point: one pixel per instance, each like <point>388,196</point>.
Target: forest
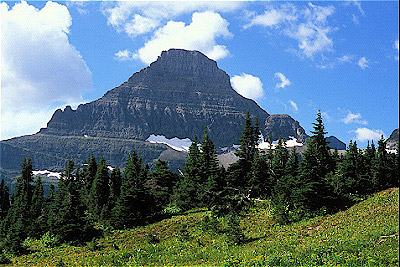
<point>91,199</point>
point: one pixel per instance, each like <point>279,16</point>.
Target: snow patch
<point>47,173</point>
<point>292,142</point>
<point>175,143</point>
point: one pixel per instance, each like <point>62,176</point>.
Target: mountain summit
<point>179,95</point>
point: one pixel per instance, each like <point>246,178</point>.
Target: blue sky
<point>290,57</point>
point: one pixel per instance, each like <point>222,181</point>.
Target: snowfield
<point>47,173</point>
<point>174,143</point>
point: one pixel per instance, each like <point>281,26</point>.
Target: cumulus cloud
<point>284,81</point>
<point>365,134</point>
<point>38,64</point>
<point>354,118</point>
<point>140,17</point>
<point>200,34</point>
<point>248,86</point>
<point>363,63</point>
<point>396,46</point>
<point>123,55</point>
<point>294,105</point>
<point>308,26</point>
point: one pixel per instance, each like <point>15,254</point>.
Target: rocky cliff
<point>393,141</point>
<point>179,95</point>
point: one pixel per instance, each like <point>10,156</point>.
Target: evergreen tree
<point>135,204</point>
<point>239,173</point>
<point>38,224</point>
<point>209,171</point>
<point>14,228</point>
<point>279,160</point>
<point>161,183</point>
<point>115,186</point>
<point>100,191</point>
<point>261,182</point>
<point>314,193</point>
<point>88,173</point>
<point>381,171</point>
<point>187,194</point>
<point>68,220</point>
<point>4,200</point>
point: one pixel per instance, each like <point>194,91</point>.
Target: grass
<point>364,235</point>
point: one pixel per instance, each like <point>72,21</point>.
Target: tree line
<point>91,198</point>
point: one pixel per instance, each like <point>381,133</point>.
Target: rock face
<point>333,143</point>
<point>179,95</point>
<point>393,140</point>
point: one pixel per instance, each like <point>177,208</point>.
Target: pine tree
<point>100,190</point>
<point>88,173</point>
<point>38,224</point>
<point>381,169</point>
<point>279,160</point>
<point>115,186</point>
<point>14,228</point>
<point>209,171</point>
<point>314,193</point>
<point>68,220</point>
<point>135,204</point>
<point>4,200</point>
<point>187,194</point>
<point>239,173</point>
<point>261,182</point>
<point>161,183</point>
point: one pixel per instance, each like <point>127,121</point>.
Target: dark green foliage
<point>188,193</point>
<point>239,173</point>
<point>15,227</point>
<point>261,182</point>
<point>135,203</point>
<point>100,191</point>
<point>4,200</point>
<point>161,182</point>
<point>38,223</point>
<point>68,220</point>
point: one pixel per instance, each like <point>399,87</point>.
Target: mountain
<point>333,143</point>
<point>179,95</point>
<point>393,141</point>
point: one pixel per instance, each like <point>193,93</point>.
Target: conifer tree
<point>187,193</point>
<point>314,191</point>
<point>381,169</point>
<point>261,182</point>
<point>209,171</point>
<point>279,160</point>
<point>135,204</point>
<point>4,200</point>
<point>67,220</point>
<point>161,183</point>
<point>14,228</point>
<point>115,186</point>
<point>38,224</point>
<point>88,173</point>
<point>100,190</point>
<point>239,173</point>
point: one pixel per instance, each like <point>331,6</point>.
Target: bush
<point>4,259</point>
<point>152,238</point>
<point>50,240</point>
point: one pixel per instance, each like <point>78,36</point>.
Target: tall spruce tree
<point>68,220</point>
<point>4,200</point>
<point>14,228</point>
<point>100,191</point>
<point>315,194</point>
<point>38,224</point>
<point>134,204</point>
<point>239,173</point>
<point>161,183</point>
<point>187,193</point>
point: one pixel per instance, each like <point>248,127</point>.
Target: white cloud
<point>123,55</point>
<point>273,17</point>
<point>346,58</point>
<point>200,34</point>
<point>294,105</point>
<point>363,63</point>
<point>396,46</point>
<point>353,118</point>
<point>140,25</point>
<point>284,81</point>
<point>38,64</point>
<point>309,26</point>
<point>140,17</point>
<point>248,86</point>
<point>365,134</point>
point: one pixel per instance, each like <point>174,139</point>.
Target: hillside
<point>364,235</point>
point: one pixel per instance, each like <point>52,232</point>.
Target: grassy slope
<point>364,235</point>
